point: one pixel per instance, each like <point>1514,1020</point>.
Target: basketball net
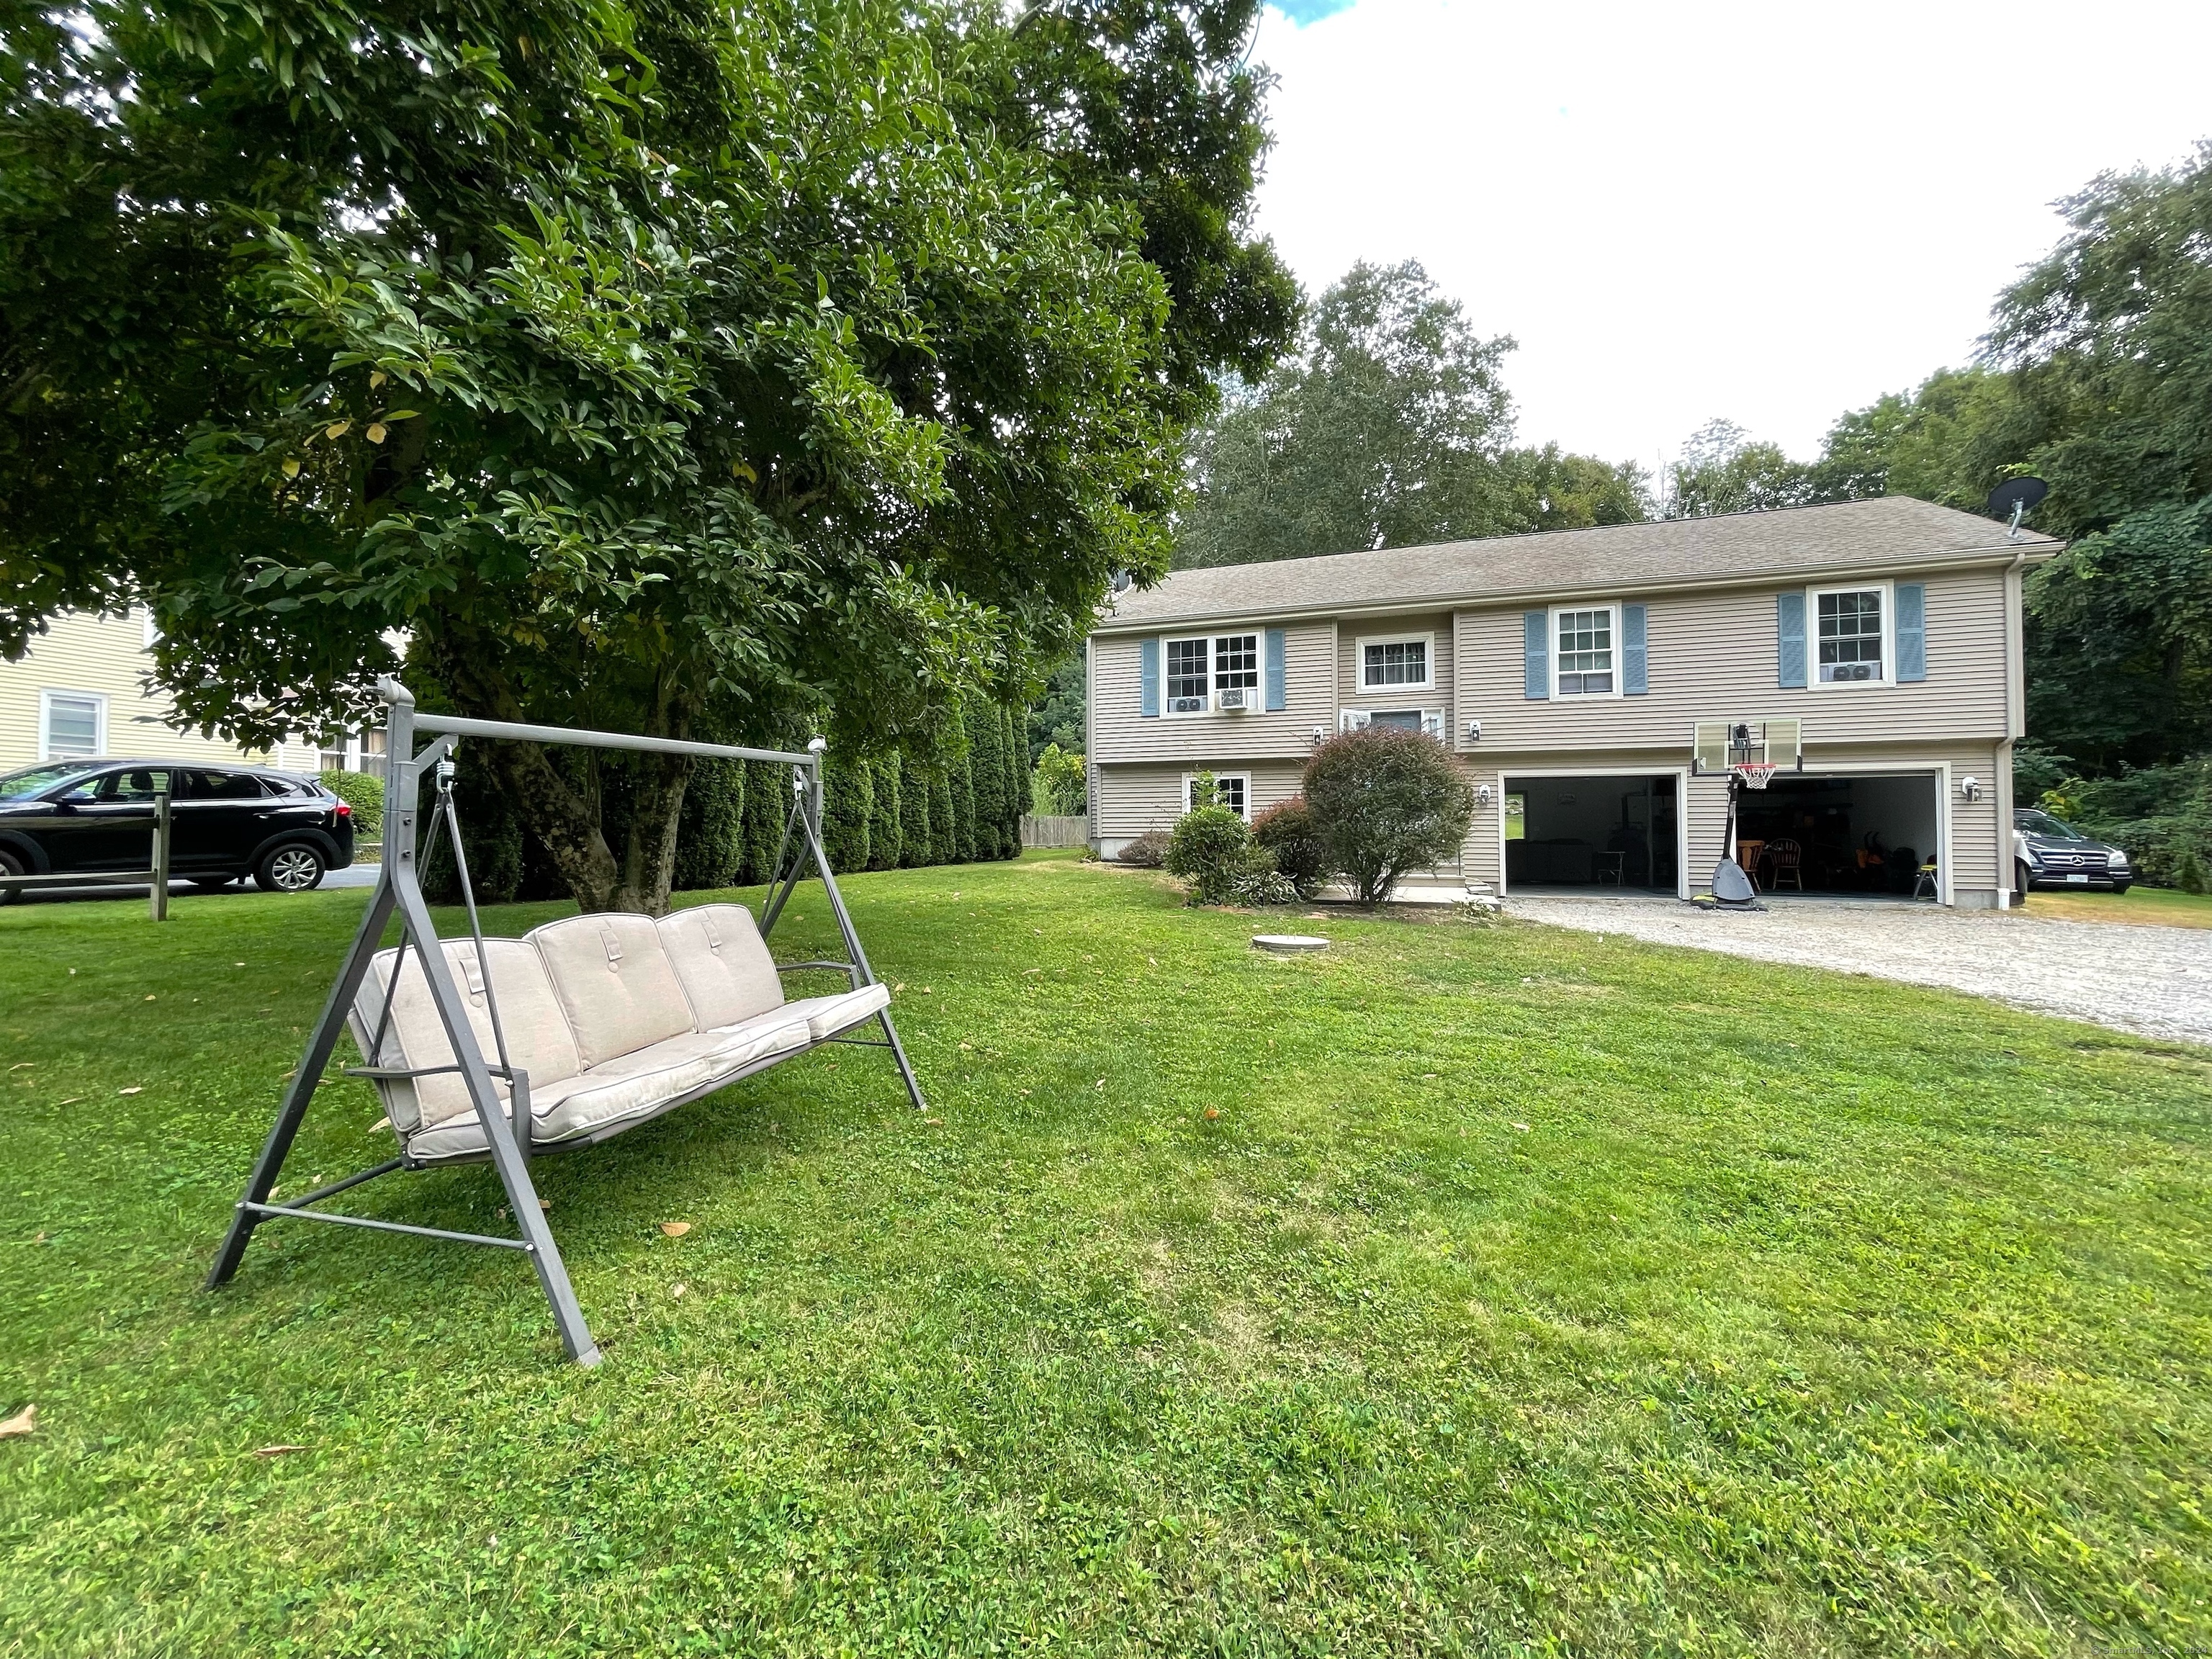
<point>1755,774</point>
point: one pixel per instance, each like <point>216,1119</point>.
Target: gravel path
<point>2155,982</point>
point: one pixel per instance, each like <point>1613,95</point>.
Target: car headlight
<point>2118,860</point>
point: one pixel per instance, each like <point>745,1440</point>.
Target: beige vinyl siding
<point>1128,800</point>
<point>1350,630</point>
<point>107,657</point>
<point>1712,656</point>
<point>1119,734</point>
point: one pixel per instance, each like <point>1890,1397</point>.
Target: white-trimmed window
<point>1402,662</point>
<point>72,724</point>
<point>1231,789</point>
<point>353,751</point>
<point>1198,670</point>
<point>1586,651</point>
<point>1850,631</point>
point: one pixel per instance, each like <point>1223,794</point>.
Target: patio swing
<point>596,1023</point>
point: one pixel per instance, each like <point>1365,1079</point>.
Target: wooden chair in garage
<point>1787,858</point>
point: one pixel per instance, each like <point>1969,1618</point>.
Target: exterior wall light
<point>1474,731</point>
<point>1971,788</point>
<point>1482,794</point>
<point>1319,736</point>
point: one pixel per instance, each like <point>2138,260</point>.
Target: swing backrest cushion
<point>723,963</point>
<point>615,983</point>
<point>538,1041</point>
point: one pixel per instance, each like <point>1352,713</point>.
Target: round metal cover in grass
<point>1286,944</point>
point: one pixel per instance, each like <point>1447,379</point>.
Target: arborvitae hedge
<point>848,797</point>
<point>987,767</point>
<point>710,838</point>
<point>768,798</point>
<point>885,827</point>
<point>916,842</point>
<point>1017,753</point>
<point>943,820</point>
<point>963,790</point>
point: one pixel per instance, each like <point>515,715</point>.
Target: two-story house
<point>1586,679</point>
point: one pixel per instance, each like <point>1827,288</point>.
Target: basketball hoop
<point>1754,775</point>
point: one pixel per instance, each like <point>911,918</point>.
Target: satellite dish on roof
<point>1120,582</point>
<point>2015,497</point>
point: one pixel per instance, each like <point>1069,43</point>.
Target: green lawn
<point>2156,907</point>
<point>1529,1293</point>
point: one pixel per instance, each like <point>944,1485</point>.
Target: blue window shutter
<point>1272,672</point>
<point>1536,653</point>
<point>1790,638</point>
<point>1911,631</point>
<point>1635,660</point>
<point>1148,678</point>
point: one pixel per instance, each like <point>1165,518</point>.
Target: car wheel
<point>2021,881</point>
<point>10,865</point>
<point>293,868</point>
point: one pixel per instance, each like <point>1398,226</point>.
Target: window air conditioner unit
<point>1352,720</point>
<point>1236,697</point>
<point>1186,705</point>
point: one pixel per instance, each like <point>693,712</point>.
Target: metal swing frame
<point>399,891</point>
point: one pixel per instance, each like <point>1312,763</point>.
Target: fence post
<point>159,900</point>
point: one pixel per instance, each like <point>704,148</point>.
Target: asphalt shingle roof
<point>1887,530</point>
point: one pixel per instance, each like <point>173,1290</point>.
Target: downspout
<point>2001,785</point>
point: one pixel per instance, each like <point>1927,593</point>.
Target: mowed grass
<point>2152,907</point>
<point>1466,1289</point>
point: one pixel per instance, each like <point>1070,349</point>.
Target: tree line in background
<point>1388,426</point>
<point>888,810</point>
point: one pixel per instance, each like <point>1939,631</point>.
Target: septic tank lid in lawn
<point>1284,943</point>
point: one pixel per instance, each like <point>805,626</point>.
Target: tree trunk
<point>649,858</point>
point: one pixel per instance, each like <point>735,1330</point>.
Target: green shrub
<point>1286,829</point>
<point>1059,786</point>
<point>943,826</point>
<point>1387,801</point>
<point>710,837</point>
<point>848,797</point>
<point>364,794</point>
<point>1147,852</point>
<point>917,830</point>
<point>1211,850</point>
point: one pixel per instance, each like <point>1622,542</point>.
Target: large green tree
<point>655,365</point>
<point>1390,428</point>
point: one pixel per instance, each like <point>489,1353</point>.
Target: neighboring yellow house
<point>82,692</point>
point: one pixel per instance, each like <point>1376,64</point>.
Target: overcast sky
<point>1771,212</point>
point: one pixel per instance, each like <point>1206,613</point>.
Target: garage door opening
<point>1584,832</point>
<point>1869,834</point>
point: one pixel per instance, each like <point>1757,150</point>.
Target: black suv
<point>226,822</point>
<point>2048,852</point>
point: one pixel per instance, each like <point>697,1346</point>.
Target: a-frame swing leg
<point>322,1042</point>
<point>808,844</point>
<point>499,1129</point>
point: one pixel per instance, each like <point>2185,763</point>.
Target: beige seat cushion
<point>723,963</point>
<point>615,983</point>
<point>827,1016</point>
<point>537,1035</point>
<point>629,1090</point>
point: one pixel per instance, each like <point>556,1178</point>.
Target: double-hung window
<point>1585,651</point>
<point>72,724</point>
<point>1199,670</point>
<point>1400,662</point>
<point>1852,630</point>
<point>1231,789</point>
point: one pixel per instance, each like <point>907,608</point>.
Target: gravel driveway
<point>2155,982</point>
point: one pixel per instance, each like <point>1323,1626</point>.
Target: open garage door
<point>1840,833</point>
<point>1618,831</point>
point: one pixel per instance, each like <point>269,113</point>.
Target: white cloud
<point>1773,213</point>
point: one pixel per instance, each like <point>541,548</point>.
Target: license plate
<point>2084,880</point>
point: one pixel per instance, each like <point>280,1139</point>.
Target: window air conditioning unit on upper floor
<point>1186,705</point>
<point>1236,697</point>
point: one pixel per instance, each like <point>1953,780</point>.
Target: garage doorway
<point>1604,831</point>
<point>1859,832</point>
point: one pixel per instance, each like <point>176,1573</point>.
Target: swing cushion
<point>538,1041</point>
<point>722,963</point>
<point>614,1018</point>
<point>615,982</point>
